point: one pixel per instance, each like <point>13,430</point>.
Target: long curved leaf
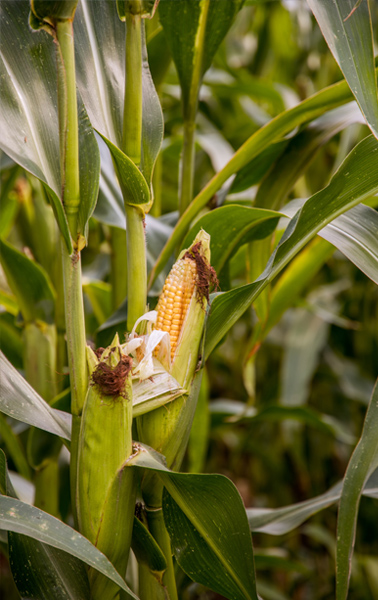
<point>20,401</point>
<point>38,568</point>
<point>278,521</point>
<point>29,282</point>
<point>216,552</point>
<point>355,234</point>
<point>347,29</point>
<point>230,227</point>
<point>275,130</point>
<point>29,115</point>
<point>193,31</point>
<point>362,463</point>
<point>356,179</point>
<point>28,520</point>
<point>100,62</point>
<point>110,210</point>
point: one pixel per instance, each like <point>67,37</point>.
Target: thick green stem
<point>69,135</point>
<point>76,350</point>
<point>119,265</point>
<point>187,165</point>
<point>157,528</point>
<point>73,296</point>
<point>75,329</point>
<point>132,113</point>
<point>131,145</point>
<point>136,263</point>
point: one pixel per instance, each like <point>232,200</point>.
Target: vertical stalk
<point>69,135</point>
<point>131,145</point>
<point>157,527</point>
<point>75,328</point>
<point>137,266</point>
<point>73,296</point>
<point>76,344</point>
<point>190,112</point>
<point>132,110</point>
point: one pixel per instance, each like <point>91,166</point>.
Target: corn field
<point>188,300</point>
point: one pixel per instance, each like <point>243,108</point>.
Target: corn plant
<point>107,373</point>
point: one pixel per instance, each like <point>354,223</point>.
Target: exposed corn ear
<point>175,299</point>
<point>167,429</point>
<point>105,489</point>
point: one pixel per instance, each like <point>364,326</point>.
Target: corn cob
<point>175,299</point>
<point>181,311</point>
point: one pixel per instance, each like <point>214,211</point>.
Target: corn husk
<point>105,489</point>
<point>167,429</point>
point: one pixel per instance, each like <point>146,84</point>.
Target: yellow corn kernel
<point>175,299</point>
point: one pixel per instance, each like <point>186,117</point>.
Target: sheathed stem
<point>75,328</point>
<point>132,112</point>
<point>73,296</point>
<point>136,265</point>
<point>132,139</point>
<point>157,527</point>
<point>69,136</point>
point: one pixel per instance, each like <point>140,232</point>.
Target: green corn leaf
<point>146,549</point>
<point>299,273</point>
<point>19,401</point>
<point>354,233</point>
<point>302,414</point>
<point>272,132</point>
<point>99,38</point>
<point>38,568</point>
<point>14,447</point>
<point>99,294</point>
<point>132,180</point>
<point>110,210</point>
<point>217,553</point>
<point>363,462</point>
<point>11,339</point>
<point>193,31</point>
<point>27,520</point>
<point>29,282</point>
<point>356,179</point>
<point>252,173</point>
<point>279,521</point>
<point>301,151</point>
<point>29,117</point>
<point>230,227</point>
<point>347,29</point>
